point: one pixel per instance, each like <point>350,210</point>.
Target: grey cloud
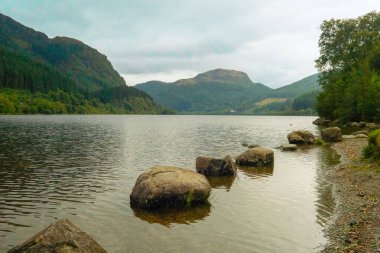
<point>274,41</point>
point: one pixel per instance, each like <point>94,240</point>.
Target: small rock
<point>353,124</point>
<point>215,167</point>
<point>331,134</point>
<point>361,136</point>
<point>244,144</point>
<point>362,124</point>
<point>321,121</point>
<point>166,186</point>
<point>360,132</point>
<point>348,137</point>
<point>256,157</point>
<point>253,146</point>
<point>289,147</point>
<point>373,126</point>
<point>61,236</point>
<point>301,137</point>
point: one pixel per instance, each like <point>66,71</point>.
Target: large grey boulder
<point>321,121</point>
<point>60,237</point>
<point>256,157</point>
<point>209,166</point>
<point>301,137</point>
<point>331,134</point>
<point>166,186</point>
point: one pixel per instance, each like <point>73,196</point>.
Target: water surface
<point>84,167</point>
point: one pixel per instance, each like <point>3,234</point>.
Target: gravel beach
<point>356,183</point>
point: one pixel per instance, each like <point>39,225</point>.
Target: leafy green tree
<point>349,63</point>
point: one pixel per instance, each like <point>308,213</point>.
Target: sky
<point>274,41</point>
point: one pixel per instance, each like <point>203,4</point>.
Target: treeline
<point>21,72</point>
<point>349,63</point>
<point>302,105</point>
<point>14,101</point>
<point>28,86</point>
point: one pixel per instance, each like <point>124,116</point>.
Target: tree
<point>349,63</point>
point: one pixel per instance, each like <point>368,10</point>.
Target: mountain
<point>85,65</point>
<point>306,85</point>
<point>216,91</point>
<point>222,91</point>
<point>60,75</point>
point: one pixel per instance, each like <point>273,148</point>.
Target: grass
<point>189,198</point>
<point>320,142</point>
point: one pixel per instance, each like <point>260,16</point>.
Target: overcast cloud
<point>274,41</point>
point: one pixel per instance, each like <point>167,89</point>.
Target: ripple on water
<point>84,167</point>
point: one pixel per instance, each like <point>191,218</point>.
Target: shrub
<point>372,150</point>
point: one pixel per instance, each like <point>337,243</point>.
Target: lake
<point>84,167</point>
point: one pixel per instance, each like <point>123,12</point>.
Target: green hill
<point>85,65</point>
<point>223,91</point>
<point>216,91</point>
<point>60,75</point>
<point>301,87</point>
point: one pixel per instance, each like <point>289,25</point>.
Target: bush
<point>372,150</point>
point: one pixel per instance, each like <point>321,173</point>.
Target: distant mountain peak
<point>224,75</point>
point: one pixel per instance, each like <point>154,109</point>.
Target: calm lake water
<point>84,168</point>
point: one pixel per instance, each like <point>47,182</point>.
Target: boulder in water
<point>321,121</point>
<point>289,147</point>
<point>301,137</point>
<point>166,186</point>
<point>256,157</point>
<point>61,237</point>
<point>331,134</point>
<point>209,166</point>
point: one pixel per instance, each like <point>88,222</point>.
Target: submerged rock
<point>331,134</point>
<point>166,186</point>
<point>301,137</point>
<point>257,157</point>
<point>289,147</point>
<point>60,237</point>
<point>321,121</point>
<point>209,166</point>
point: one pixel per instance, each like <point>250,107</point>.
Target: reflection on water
<point>221,182</point>
<point>255,172</point>
<point>325,203</point>
<point>166,217</point>
<point>84,168</point>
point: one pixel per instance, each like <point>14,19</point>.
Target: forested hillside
<point>60,75</point>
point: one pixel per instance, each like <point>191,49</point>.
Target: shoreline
<point>355,224</point>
